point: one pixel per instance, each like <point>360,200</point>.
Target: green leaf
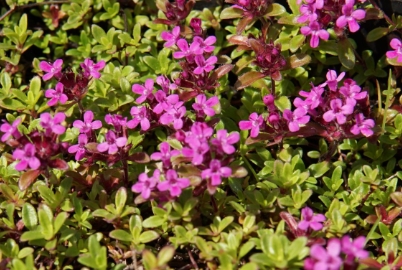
<point>29,216</point>
<point>46,221</point>
<point>148,236</point>
<point>231,13</point>
<point>225,222</point>
<point>27,178</point>
<point>297,60</point>
<point>165,255</point>
<point>98,33</point>
<point>149,260</point>
<point>346,54</point>
<point>275,10</point>
<point>152,222</point>
<point>296,42</point>
<point>377,33</point>
<point>25,252</point>
<point>120,200</point>
<point>59,221</point>
<point>121,235</point>
<point>31,235</point>
<point>5,81</point>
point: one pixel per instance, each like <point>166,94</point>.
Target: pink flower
<point>140,116</point>
<point>79,148</point>
<point>324,259</point>
<point>309,220</point>
<point>165,84</point>
<point>165,154</point>
<point>53,70</point>
<point>204,65</point>
<point>199,131</point>
<point>196,151</point>
<point>204,106</point>
<point>10,130</point>
<point>174,115</point>
<point>88,125</point>
<point>354,248</point>
<point>315,30</point>
<point>255,123</point>
<point>224,142</point>
<point>308,14</point>
<point>363,126</point>
<point>185,50</point>
<point>215,172</point>
<point>314,97</point>
<point>333,79</point>
<point>173,184</point>
<point>116,120</point>
<point>53,124</point>
<point>296,119</point>
<point>144,92</point>
<point>395,44</point>
<point>350,17</point>
<point>27,158</point>
<point>164,102</point>
<point>56,95</point>
<point>145,184</point>
<point>171,38</point>
<point>351,91</point>
<point>91,69</point>
<point>206,45</point>
<point>269,101</point>
<point>338,111</point>
<point>112,143</point>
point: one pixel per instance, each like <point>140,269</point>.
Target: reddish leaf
<point>397,198</point>
<point>27,179</point>
<point>248,78</point>
<point>187,95</point>
<point>162,21</point>
<point>231,13</point>
<point>243,24</point>
<point>221,71</point>
<point>58,164</point>
<point>371,262</point>
<point>239,40</point>
<point>256,45</point>
<point>139,157</point>
<point>297,60</point>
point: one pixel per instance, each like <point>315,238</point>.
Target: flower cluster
<point>322,14</point>
<point>339,110</point>
<point>338,253</point>
<point>395,44</point>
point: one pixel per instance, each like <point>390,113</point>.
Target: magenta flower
<point>88,125</point>
<point>354,249</point>
<point>10,130</point>
<point>53,124</point>
<point>185,50</point>
<point>174,115</point>
<point>27,158</point>
<point>307,14</point>
<point>350,17</point>
<point>351,91</point>
<point>315,30</point>
<point>204,106</point>
<point>79,149</point>
<point>144,92</point>
<point>204,65</point>
<point>206,45</point>
<point>91,69</point>
<point>199,131</point>
<point>255,123</point>
<point>165,154</point>
<point>338,111</point>
<point>324,259</point>
<point>53,70</point>
<point>116,120</point>
<point>215,172</point>
<point>164,102</point>
<point>314,97</point>
<point>165,84</point>
<point>173,184</point>
<point>112,143</point>
<point>333,79</point>
<point>310,220</point>
<point>146,184</point>
<point>224,141</point>
<point>195,23</point>
<point>296,119</point>
<point>196,151</point>
<point>171,38</point>
<point>395,44</point>
<point>56,95</point>
<point>140,116</point>
<point>363,126</point>
<point>269,101</point>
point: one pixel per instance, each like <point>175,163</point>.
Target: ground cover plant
<point>237,134</point>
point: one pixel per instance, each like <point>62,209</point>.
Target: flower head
<point>363,126</point>
<point>338,111</point>
<point>354,248</point>
<point>79,149</point>
<point>325,259</point>
<point>140,116</point>
<point>145,91</point>
<point>173,184</point>
<point>350,16</point>
<point>172,37</point>
<point>224,141</point>
<point>165,154</point>
<point>310,220</point>
<point>204,66</point>
<point>91,69</point>
<point>296,119</point>
<point>316,31</point>
<point>56,95</point>
<point>53,70</point>
<point>88,124</point>
<point>204,106</point>
<point>27,158</point>
<point>112,143</point>
<point>395,44</point>
<point>254,124</point>
<point>10,130</point>
<point>146,184</point>
<point>214,173</point>
<point>52,124</point>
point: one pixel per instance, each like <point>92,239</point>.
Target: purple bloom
<point>199,131</point>
<point>174,115</point>
<point>88,125</point>
<point>354,248</point>
<point>56,95</point>
<point>204,65</point>
<point>350,17</point>
<point>269,101</point>
<point>112,143</point>
<point>325,259</point>
<point>395,44</point>
<point>215,172</point>
<point>314,97</point>
<point>53,124</point>
<point>351,91</point>
<point>173,184</point>
<point>144,92</point>
<point>185,50</point>
<point>309,220</point>
<point>255,123</point>
<point>315,30</point>
<point>224,142</point>
<point>171,38</point>
<point>338,111</point>
<point>204,106</point>
<point>116,120</point>
<point>51,69</point>
<point>10,130</point>
<point>363,126</point>
<point>79,148</point>
<point>195,23</point>
<point>140,116</point>
<point>333,79</point>
<point>145,184</point>
<point>206,45</point>
<point>164,102</point>
<point>165,154</point>
<point>165,84</point>
<point>296,119</point>
<point>27,158</point>
<point>308,14</point>
<point>196,151</point>
<point>91,69</point>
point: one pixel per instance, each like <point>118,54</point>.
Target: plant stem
<point>249,167</point>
